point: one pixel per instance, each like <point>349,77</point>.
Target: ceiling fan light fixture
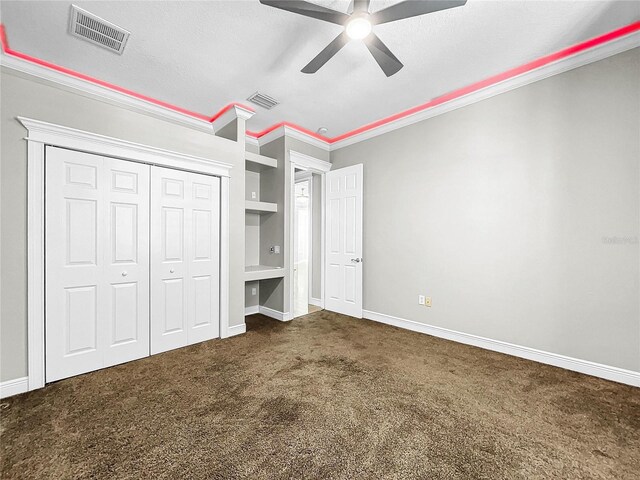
<point>358,28</point>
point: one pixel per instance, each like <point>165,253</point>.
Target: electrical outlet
<point>253,195</point>
<point>277,249</point>
<point>421,299</point>
<point>254,291</point>
<point>427,301</point>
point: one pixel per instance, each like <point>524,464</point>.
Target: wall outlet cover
<point>421,299</point>
<point>253,195</point>
<point>427,301</point>
<point>254,291</point>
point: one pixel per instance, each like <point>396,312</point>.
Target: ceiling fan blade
<point>309,10</point>
<point>325,55</point>
<point>412,8</point>
<point>387,60</point>
<point>361,5</point>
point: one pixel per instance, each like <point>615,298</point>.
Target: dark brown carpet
<point>325,396</point>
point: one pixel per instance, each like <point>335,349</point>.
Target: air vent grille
<point>96,30</point>
<point>264,101</point>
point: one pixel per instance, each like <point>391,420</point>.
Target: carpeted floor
<point>324,396</point>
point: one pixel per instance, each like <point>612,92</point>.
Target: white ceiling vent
<point>94,29</point>
<point>264,101</point>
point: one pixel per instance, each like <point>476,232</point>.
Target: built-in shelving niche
<point>260,203</point>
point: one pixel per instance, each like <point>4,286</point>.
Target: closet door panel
<point>204,259</point>
<point>170,219</point>
<point>126,332</point>
<point>74,247</point>
<point>185,258</point>
<point>97,262</point>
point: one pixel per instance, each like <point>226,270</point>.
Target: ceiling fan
<point>358,26</point>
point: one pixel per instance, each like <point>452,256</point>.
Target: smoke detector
<point>96,30</point>
<point>262,100</point>
<point>322,131</point>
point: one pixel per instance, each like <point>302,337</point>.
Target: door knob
<point>171,270</point>
<point>356,260</point>
<point>124,274</point>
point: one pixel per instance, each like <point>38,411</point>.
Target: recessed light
<point>322,131</point>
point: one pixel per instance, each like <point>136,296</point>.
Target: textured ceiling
<point>203,55</point>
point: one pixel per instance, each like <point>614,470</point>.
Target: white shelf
<point>260,207</point>
<point>262,272</point>
<point>257,163</point>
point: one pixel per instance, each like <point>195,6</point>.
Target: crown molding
<point>105,94</point>
<point>305,137</point>
<point>291,132</point>
<point>249,140</point>
<point>585,57</point>
<point>590,51</point>
<point>229,114</point>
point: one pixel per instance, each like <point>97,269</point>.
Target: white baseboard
<point>14,387</point>
<point>237,330</point>
<point>316,302</point>
<point>615,374</point>
<point>251,310</point>
<point>275,314</point>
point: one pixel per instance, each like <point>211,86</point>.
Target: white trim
<point>224,258</point>
<point>319,167</point>
<point>232,114</point>
<point>275,314</point>
<point>316,302</point>
<point>35,264</point>
<point>301,177</point>
<point>237,330</point>
<point>252,310</point>
<point>306,138</point>
<point>323,223</point>
<point>108,95</point>
<point>292,133</point>
<point>41,134</point>
<point>243,113</point>
<point>580,59</point>
<point>615,374</point>
<point>66,137</point>
<point>14,387</point>
<point>307,162</point>
<point>252,141</point>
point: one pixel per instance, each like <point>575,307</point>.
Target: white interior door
<point>185,272</point>
<point>97,262</point>
<point>343,241</point>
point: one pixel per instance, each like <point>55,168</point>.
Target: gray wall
<point>25,97</point>
<point>519,215</point>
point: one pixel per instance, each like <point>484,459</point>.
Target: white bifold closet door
<point>185,259</point>
<point>97,262</point>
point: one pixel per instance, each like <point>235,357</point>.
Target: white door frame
<point>41,134</point>
<point>319,167</point>
<point>300,177</point>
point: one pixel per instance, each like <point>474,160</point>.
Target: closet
<point>132,260</point>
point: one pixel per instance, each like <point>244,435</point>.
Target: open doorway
<point>305,249</point>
